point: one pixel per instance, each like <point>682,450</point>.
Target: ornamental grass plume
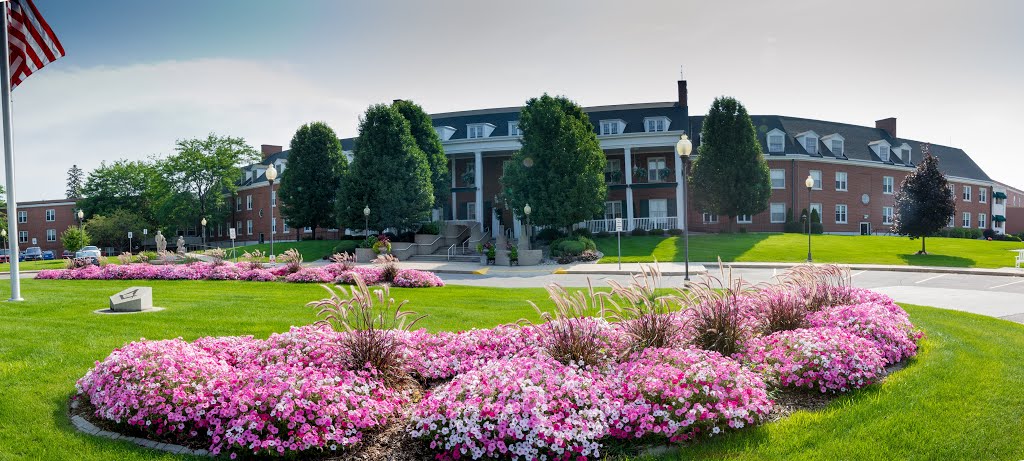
<point>217,254</point>
<point>291,259</point>
<point>125,258</point>
<point>253,259</point>
<point>646,317</point>
<point>822,285</point>
<point>570,335</point>
<point>345,261</point>
<point>389,267</point>
<point>717,312</point>
<point>370,321</point>
<point>782,309</point>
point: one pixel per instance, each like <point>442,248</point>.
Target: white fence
<point>608,225</point>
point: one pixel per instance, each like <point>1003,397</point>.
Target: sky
<point>140,75</point>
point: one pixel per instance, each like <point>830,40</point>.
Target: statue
<point>161,242</point>
<point>181,245</point>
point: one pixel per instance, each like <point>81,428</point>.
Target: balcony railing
<point>608,225</point>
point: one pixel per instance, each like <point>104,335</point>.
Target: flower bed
<point>407,278</point>
<point>509,392</point>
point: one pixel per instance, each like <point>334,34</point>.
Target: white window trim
<point>817,180</point>
<point>513,128</point>
<point>967,194</point>
<point>445,132</point>
<point>982,195</point>
<point>50,232</point>
<point>891,185</point>
<point>656,160</point>
<point>776,133</point>
<point>982,220</point>
<point>248,202</point>
<point>749,219</point>
<point>51,215</point>
<point>614,204</point>
<point>666,122</point>
<point>846,214</point>
<point>966,220</point>
<point>471,211</point>
<point>771,214</point>
<point>22,217</point>
<point>887,218</point>
<point>620,127</point>
<point>704,217</point>
<point>846,181</point>
<point>783,178</point>
<point>248,227</point>
<point>485,130</point>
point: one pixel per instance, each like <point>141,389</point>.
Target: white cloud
<point>86,115</point>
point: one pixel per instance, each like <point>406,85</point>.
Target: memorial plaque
<point>134,299</point>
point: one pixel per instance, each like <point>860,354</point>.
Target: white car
<point>89,252</point>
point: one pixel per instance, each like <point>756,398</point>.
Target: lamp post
<point>81,216</point>
<point>203,222</point>
<point>271,176</point>
<point>683,149</point>
<point>366,219</point>
<point>3,234</point>
<point>526,211</point>
<point>809,182</point>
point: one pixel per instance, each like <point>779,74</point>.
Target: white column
<point>680,219</point>
<point>478,168</point>
<point>455,203</point>
<point>628,173</point>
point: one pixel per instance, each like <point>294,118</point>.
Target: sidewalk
<point>1003,271</point>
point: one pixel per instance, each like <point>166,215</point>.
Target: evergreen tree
<point>389,173</point>
<point>559,170</point>
<point>730,175</point>
<point>75,178</point>
<point>310,185</point>
<point>74,238</point>
<point>422,128</point>
<point>924,203</point>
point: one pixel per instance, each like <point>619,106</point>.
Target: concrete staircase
<point>456,233</point>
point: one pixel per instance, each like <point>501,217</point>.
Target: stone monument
<point>134,299</point>
<point>161,242</point>
<point>181,245</point>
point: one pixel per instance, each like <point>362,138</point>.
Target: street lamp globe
<point>809,182</point>
<point>684,147</point>
<point>80,215</point>
<point>3,233</point>
<point>527,210</point>
<point>366,210</point>
<point>271,173</point>
<point>203,222</point>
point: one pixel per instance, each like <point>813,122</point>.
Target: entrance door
<point>865,228</point>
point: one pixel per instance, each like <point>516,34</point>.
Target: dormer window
<point>656,124</point>
<point>444,132</point>
<point>902,152</point>
<point>612,126</point>
<point>478,130</point>
<point>809,140</point>
<point>835,144</point>
<point>881,149</point>
<point>837,147</point>
<point>776,141</point>
<point>513,129</point>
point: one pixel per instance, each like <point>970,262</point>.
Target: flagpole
<point>5,105</point>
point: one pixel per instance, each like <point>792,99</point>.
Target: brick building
<point>40,223</point>
<point>857,171</point>
<point>1008,208</point>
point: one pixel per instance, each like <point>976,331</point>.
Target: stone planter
<point>365,255</point>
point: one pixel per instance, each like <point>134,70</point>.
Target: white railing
<point>608,225</point>
<point>454,248</point>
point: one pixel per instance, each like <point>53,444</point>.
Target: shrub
<point>657,231</point>
<point>676,232</point>
<point>743,230</point>
<point>988,234</point>
<point>567,247</point>
<point>430,228</point>
<point>604,234</point>
<point>588,255</point>
<point>569,334</point>
<point>382,244</point>
<point>638,232</point>
<point>521,408</point>
<point>217,254</point>
<point>827,359</point>
<point>250,259</point>
<point>549,234</point>
<point>680,394</point>
<point>125,258</point>
<point>369,321</point>
<point>583,232</point>
<point>793,227</point>
<point>1010,238</point>
<point>369,242</point>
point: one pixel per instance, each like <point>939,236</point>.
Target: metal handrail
<point>452,248</point>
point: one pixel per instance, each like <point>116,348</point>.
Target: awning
<point>998,218</point>
<point>999,195</point>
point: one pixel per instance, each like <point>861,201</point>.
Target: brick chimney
<point>887,124</point>
<point>269,149</point>
<point>682,94</point>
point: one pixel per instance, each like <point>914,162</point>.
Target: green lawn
<point>311,249</point>
<point>51,264</point>
<point>961,399</point>
<point>847,249</point>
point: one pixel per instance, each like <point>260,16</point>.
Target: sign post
<point>231,233</point>
<point>129,241</point>
<point>145,232</point>
<point>618,236</point>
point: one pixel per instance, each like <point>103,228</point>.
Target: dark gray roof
<point>347,144</point>
<point>952,161</point>
<point>632,114</point>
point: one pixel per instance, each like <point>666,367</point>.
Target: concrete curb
<point>84,426</point>
<point>34,271</point>
<point>1004,272</point>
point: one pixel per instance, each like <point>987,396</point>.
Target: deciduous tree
<point>389,173</point>
<point>74,238</point>
<point>112,230</point>
<point>924,203</point>
<point>309,187</point>
<point>559,170</point>
<point>123,184</point>
<point>422,129</point>
<point>730,175</point>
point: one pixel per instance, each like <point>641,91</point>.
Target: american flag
<point>33,44</point>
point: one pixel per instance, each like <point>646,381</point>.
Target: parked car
<point>5,256</point>
<point>47,255</point>
<point>33,254</point>
<point>89,252</point>
<point>68,254</point>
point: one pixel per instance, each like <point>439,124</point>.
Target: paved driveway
<point>994,296</point>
